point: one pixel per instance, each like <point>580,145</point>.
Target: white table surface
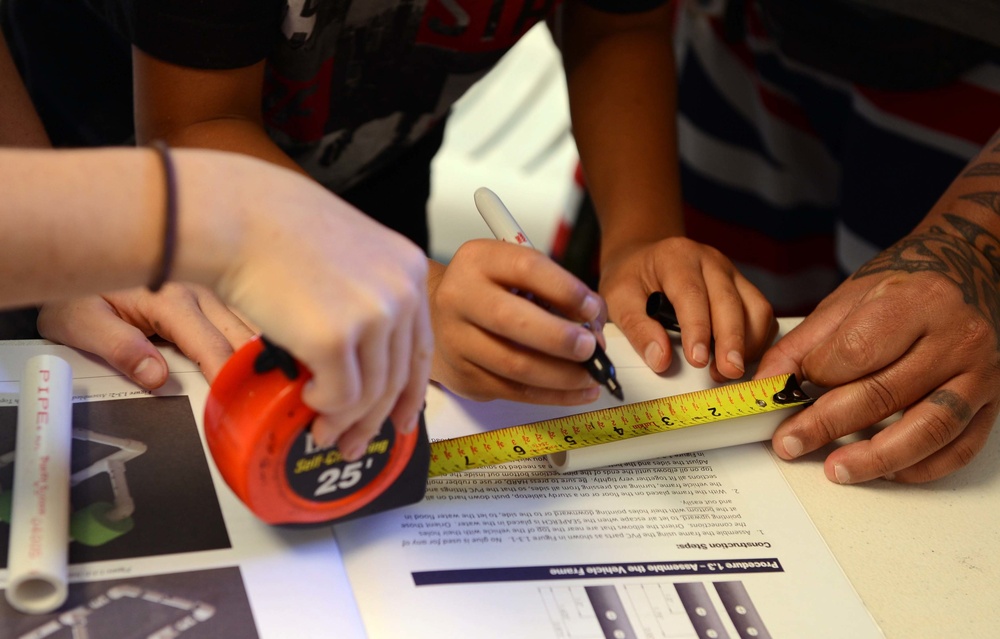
<point>925,558</point>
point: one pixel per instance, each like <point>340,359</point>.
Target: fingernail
<point>585,345</point>
<point>591,307</point>
<point>736,360</point>
<point>148,372</point>
<point>653,355</point>
<point>890,476</point>
<point>842,474</point>
<point>355,451</point>
<point>411,425</point>
<point>323,440</point>
<point>793,445</point>
<point>700,354</point>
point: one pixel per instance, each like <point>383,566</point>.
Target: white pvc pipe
<point>39,521</point>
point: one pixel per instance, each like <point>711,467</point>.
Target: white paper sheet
<point>517,550</point>
<point>646,549</point>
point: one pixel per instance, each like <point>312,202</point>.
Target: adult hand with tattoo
<point>917,330</point>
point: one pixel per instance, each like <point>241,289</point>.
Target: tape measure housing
<point>257,429</point>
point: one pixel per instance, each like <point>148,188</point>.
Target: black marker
<point>659,308</point>
<point>506,228</point>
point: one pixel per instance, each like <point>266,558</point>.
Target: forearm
<point>79,222</point>
<point>213,109</point>
<point>959,237</point>
<point>621,88</point>
<point>236,135</point>
<point>972,198</point>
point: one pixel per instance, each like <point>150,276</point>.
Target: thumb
<point>646,335</point>
<point>92,325</point>
<point>788,353</point>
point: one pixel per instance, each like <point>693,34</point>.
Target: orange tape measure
<point>257,430</point>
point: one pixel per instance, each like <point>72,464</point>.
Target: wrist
<point>211,215</point>
<point>168,244</point>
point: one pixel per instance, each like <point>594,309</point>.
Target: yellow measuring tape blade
<point>615,424</point>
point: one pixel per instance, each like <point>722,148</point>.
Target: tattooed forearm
<point>962,250</point>
<point>984,169</point>
<point>989,199</point>
<point>981,239</point>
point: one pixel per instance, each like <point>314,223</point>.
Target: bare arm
<point>215,109</point>
<point>620,71</point>
<point>61,213</point>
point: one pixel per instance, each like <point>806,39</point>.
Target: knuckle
<point>473,249</point>
<point>524,264</point>
<point>879,398</point>
<point>918,474</point>
<point>123,352</point>
<point>630,321</point>
<point>879,463</point>
<point>532,394</point>
<point>414,260</point>
<point>397,379</point>
<point>346,394</point>
<point>827,427</point>
<point>510,317</point>
<point>402,298</point>
<point>964,452</point>
<point>373,315</point>
<point>332,341</point>
<point>731,296</point>
<point>515,365</point>
<point>690,289</point>
<point>760,306</point>
<point>937,428</point>
<point>855,348</point>
<point>466,257</point>
<point>352,394</point>
<point>178,293</point>
<point>974,332</point>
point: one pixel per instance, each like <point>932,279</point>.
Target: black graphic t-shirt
<point>350,85</point>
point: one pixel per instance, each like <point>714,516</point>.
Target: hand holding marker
<point>505,228</point>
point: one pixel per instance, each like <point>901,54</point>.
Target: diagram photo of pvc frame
<point>140,483</point>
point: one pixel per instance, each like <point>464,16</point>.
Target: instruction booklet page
<point>705,544</point>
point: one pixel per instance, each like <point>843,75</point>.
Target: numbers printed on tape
<point>615,424</point>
